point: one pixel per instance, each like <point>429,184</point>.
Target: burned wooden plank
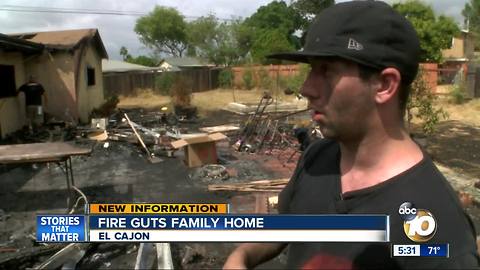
<point>69,255</point>
<point>255,186</point>
<point>25,257</point>
<point>221,128</point>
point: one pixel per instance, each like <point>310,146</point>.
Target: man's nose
<point>311,87</point>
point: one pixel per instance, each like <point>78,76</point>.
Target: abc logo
<point>419,224</point>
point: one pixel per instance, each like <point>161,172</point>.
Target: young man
<point>363,57</point>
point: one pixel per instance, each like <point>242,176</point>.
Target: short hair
<point>366,73</point>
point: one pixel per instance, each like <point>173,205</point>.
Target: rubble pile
<point>263,132</point>
<point>121,143</point>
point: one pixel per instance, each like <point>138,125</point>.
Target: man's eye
<point>328,72</point>
<point>322,69</point>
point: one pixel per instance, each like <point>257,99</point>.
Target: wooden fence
<point>128,83</point>
<point>204,79</point>
<point>273,71</point>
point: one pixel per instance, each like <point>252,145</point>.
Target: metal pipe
<point>289,114</point>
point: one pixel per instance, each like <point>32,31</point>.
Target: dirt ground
<point>120,173</point>
<point>203,100</point>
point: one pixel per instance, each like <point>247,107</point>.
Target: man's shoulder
<point>23,87</point>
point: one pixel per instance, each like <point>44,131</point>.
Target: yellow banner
<point>158,208</point>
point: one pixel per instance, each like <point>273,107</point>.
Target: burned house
<point>67,63</point>
<point>13,51</point>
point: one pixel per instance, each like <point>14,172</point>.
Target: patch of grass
<point>207,101</point>
<point>467,112</point>
<point>144,98</point>
<point>457,94</point>
<point>218,99</point>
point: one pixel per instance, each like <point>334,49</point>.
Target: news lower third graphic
<point>205,223</point>
<point>238,228</point>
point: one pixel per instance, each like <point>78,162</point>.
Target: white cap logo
<point>354,45</point>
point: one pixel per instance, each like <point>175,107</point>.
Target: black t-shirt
<point>315,188</point>
<point>33,93</point>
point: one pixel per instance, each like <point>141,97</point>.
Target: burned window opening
<point>90,76</point>
<point>7,81</point>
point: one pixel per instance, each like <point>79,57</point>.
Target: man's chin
<point>327,132</point>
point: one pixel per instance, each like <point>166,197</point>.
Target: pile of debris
<point>262,131</point>
<point>154,131</point>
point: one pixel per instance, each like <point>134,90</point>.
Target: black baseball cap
<point>370,33</point>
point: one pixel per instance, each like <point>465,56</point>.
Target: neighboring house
<point>70,70</point>
<point>183,63</point>
<point>122,78</point>
<point>457,56</point>
<point>116,66</point>
<point>462,48</point>
<point>196,72</point>
<point>13,53</point>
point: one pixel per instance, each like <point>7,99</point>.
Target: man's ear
<point>388,85</point>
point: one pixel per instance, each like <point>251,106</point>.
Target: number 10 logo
<point>419,224</point>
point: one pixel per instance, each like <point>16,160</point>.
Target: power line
<point>72,11</point>
<point>36,9</point>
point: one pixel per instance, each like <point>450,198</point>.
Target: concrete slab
<point>245,108</point>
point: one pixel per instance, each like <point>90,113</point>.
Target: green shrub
<point>264,80</point>
<point>164,82</point>
<point>181,91</point>
<point>295,82</point>
<point>457,94</point>
<point>225,78</point>
<point>421,104</point>
<point>248,78</point>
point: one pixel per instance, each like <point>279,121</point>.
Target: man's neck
<point>376,158</point>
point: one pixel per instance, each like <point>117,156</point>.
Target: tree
<point>163,30</point>
<point>270,41</point>
<point>144,61</point>
<point>214,40</point>
<point>203,31</point>
<point>275,15</point>
<point>471,13</point>
<point>139,60</point>
<point>435,34</point>
<point>243,36</point>
<point>205,39</point>
<point>308,9</point>
<point>270,29</point>
<point>124,53</point>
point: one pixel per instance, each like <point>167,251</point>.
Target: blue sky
<point>117,31</point>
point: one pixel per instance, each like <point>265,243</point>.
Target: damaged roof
<point>65,39</point>
<point>9,43</point>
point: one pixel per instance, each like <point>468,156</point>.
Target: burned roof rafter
<point>9,43</point>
